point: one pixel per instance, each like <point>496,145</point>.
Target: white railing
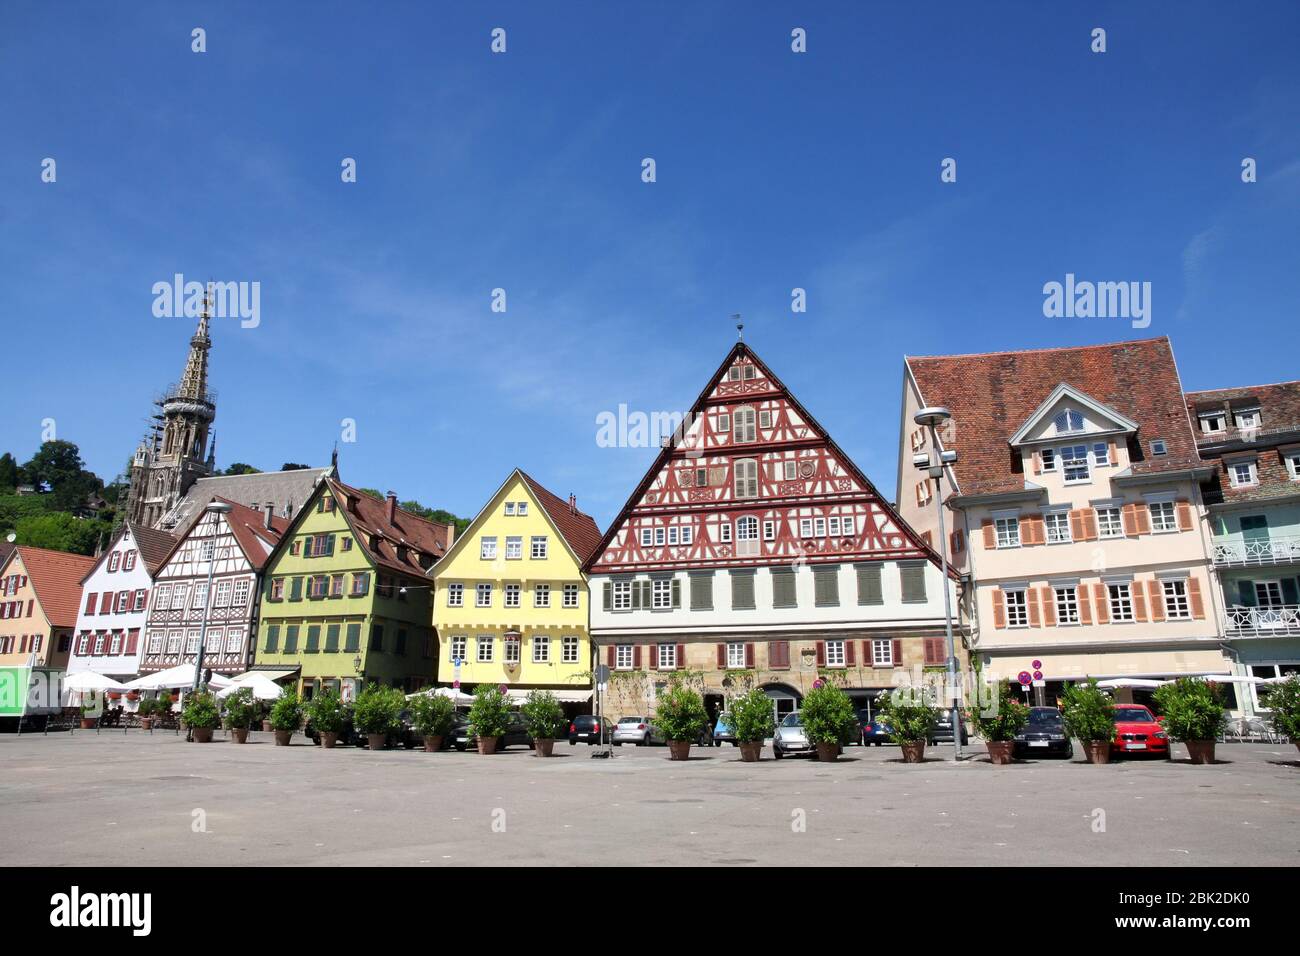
<point>1258,552</point>
<point>1279,621</point>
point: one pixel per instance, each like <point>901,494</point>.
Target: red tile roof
<point>579,530</point>
<point>248,525</point>
<point>1279,414</point>
<point>991,395</point>
<point>154,546</point>
<point>369,519</point>
<point>56,577</point>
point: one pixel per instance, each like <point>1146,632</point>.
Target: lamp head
<point>932,416</point>
<point>921,461</point>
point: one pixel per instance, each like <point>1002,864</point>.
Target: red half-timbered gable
<point>750,478</point>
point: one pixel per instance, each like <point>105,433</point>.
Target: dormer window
<point>1212,422</point>
<point>1068,421</point>
<point>1246,418</point>
<point>1074,464</point>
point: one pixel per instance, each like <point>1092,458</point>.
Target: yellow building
<point>510,599</point>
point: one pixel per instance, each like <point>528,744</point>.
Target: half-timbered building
<point>755,545</point>
<point>234,548</point>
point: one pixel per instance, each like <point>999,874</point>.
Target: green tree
<point>242,468</point>
<point>293,466</point>
<point>58,468</point>
<point>9,473</point>
<point>60,531</point>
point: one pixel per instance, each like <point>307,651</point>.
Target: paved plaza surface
<point>135,798</point>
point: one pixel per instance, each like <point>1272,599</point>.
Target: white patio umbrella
<point>85,681</point>
<point>457,696</point>
<point>1233,679</point>
<point>1137,683</point>
<point>263,688</point>
<point>180,676</point>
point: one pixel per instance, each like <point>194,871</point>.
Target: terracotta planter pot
<point>432,744</point>
<point>544,747</point>
<point>377,741</point>
<point>1001,751</point>
<point>240,734</point>
<point>1201,751</point>
<point>750,752</point>
<point>146,723</point>
<point>487,745</point>
<point>282,737</point>
<point>266,726</point>
<point>1097,751</point>
<point>679,750</point>
<point>88,723</point>
<point>828,752</point>
<point>913,751</point>
<point>202,735</point>
<point>329,738</point>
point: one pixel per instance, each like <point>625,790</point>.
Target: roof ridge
<point>1242,388</point>
<point>1051,348</point>
<point>68,554</point>
<point>254,474</point>
<point>409,514</point>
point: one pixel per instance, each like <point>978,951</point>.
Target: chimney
<point>392,507</point>
<point>573,504</point>
<point>451,534</point>
<point>270,513</point>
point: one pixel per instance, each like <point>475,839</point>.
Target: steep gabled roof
<point>991,395</point>
<point>287,490</point>
<point>578,529</point>
<point>56,577</point>
<point>739,350</point>
<point>1279,409</point>
<point>154,546</point>
<point>368,518</point>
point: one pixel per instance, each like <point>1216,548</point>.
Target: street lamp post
<point>934,462</point>
<point>218,508</point>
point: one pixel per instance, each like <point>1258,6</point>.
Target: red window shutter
<point>1085,605</point>
<point>821,653</point>
<point>106,602</point>
<point>1139,593</point>
<point>654,657</point>
<point>31,606</point>
<point>609,655</point>
<point>681,655</point>
<point>1090,532</point>
<point>778,654</point>
<point>636,655</point>
<point>1194,597</point>
<point>749,654</point>
<point>722,655</point>
<point>1184,514</point>
<point>1100,599</point>
<point>1076,524</point>
<point>1144,519</point>
<point>999,608</point>
<point>850,655</point>
<point>1049,607</point>
<point>90,603</point>
<point>1114,454</point>
<point>990,536</point>
<point>1129,514</point>
<point>1031,599</point>
<point>1157,600</point>
<point>133,640</point>
<point>1038,463</point>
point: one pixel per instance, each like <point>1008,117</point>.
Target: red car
<point>1138,732</point>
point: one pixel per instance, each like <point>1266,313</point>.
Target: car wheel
<point>573,743</point>
<point>776,752</point>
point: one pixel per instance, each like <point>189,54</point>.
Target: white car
<point>791,738</point>
<point>636,730</point>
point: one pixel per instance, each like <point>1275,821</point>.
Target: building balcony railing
<point>1278,621</point>
<point>1252,554</point>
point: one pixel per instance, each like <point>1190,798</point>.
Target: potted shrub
<point>1087,712</point>
<point>432,716</point>
<point>489,716</point>
<point>201,716</point>
<point>377,713</point>
<point>752,722</point>
<point>829,719</point>
<point>241,710</point>
<point>328,715</point>
<point>1284,701</point>
<point>544,717</point>
<point>910,717</point>
<point>1193,714</point>
<point>681,718</point>
<point>286,716</point>
<point>999,722</point>
<point>145,712</point>
<point>89,715</point>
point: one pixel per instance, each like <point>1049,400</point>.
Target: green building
<point>345,598</point>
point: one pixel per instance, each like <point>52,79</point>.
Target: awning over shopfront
<point>270,675</point>
<point>1137,663</point>
<point>518,694</point>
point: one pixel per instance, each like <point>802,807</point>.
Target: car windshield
<point>1044,718</point>
<point>792,720</point>
<point>630,720</point>
<point>1135,714</point>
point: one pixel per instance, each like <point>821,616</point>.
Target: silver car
<point>790,737</point>
<point>636,730</point>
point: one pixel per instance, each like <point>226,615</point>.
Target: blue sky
<point>522,171</point>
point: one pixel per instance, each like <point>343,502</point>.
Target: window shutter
<point>681,655</point>
<point>722,655</point>
<point>1157,598</point>
<point>1049,607</point>
<point>749,654</point>
<point>329,545</point>
<point>1129,515</point>
<point>850,656</point>
<point>1076,524</point>
<point>106,602</point>
<point>1026,530</point>
<point>636,594</point>
<point>999,608</point>
<point>913,579</point>
<point>1090,524</point>
<point>606,595</point>
<point>956,542</point>
<point>1194,597</point>
<point>609,655</point>
<point>645,593</point>
<point>1038,463</point>
<point>90,603</point>
<point>778,655</point>
<point>654,657</point>
<point>869,586</point>
<point>1139,594</point>
<point>990,535</point>
<point>677,593</point>
<point>1100,599</point>
<point>1184,515</point>
<point>821,653</point>
<point>1113,456</point>
<point>636,655</point>
<point>1143,519</point>
<point>897,653</point>
<point>1031,599</point>
<point>132,640</point>
<point>1085,606</point>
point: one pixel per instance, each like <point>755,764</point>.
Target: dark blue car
<point>874,730</point>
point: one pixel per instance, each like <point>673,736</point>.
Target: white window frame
<point>735,654</point>
<point>805,527</point>
<point>539,547</point>
<point>1207,418</point>
<point>541,648</point>
<point>1120,596</point>
<point>1164,516</point>
<point>570,649</point>
<point>514,547</point>
<point>541,595</point>
<point>487,548</point>
<point>667,654</point>
<point>456,594</point>
<point>746,475</point>
<point>661,594</point>
<point>484,648</point>
<point>1016,602</point>
<point>483,595</point>
<point>769,529</point>
<point>1292,460</point>
<point>459,643</point>
<point>224,589</point>
<point>835,654</point>
<point>1110,521</point>
<point>1178,605</point>
<point>243,589</point>
<point>511,650</point>
<point>621,595</point>
<point>521,509</point>
<point>1246,418</point>
<point>1011,525</point>
<point>1075,469</point>
<point>1065,597</point>
<point>510,509</point>
<point>882,652</point>
<point>511,592</point>
<point>1056,525</point>
<point>622,657</point>
<point>1251,477</point>
<point>571,598</point>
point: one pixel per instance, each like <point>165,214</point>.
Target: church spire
<point>194,380</point>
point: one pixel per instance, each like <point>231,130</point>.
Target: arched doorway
<point>785,699</point>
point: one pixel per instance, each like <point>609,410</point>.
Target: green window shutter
<point>291,639</point>
<point>272,639</point>
<point>352,642</point>
<point>1246,593</point>
<point>607,592</point>
<point>677,593</point>
<point>636,594</point>
<point>332,638</point>
<point>329,546</point>
<point>701,592</point>
<point>913,576</point>
<point>377,637</point>
<point>742,590</point>
<point>295,589</point>
<point>313,638</point>
<point>401,642</point>
<point>784,593</point>
<point>826,586</point>
<point>869,586</point>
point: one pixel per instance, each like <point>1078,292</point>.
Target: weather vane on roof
<point>740,327</point>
